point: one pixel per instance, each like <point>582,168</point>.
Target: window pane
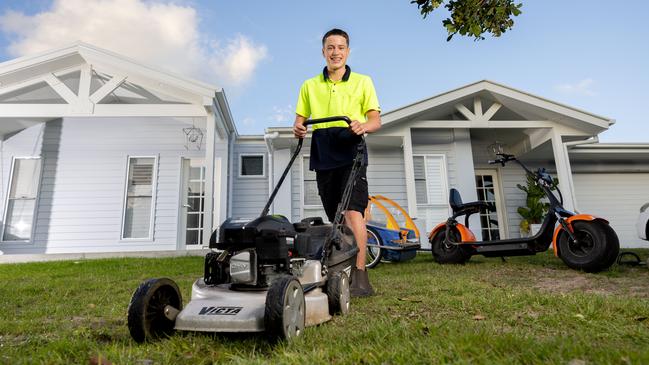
<point>252,165</point>
<point>25,178</point>
<point>311,196</point>
<point>418,163</point>
<point>138,217</point>
<point>20,216</point>
<point>192,237</point>
<point>140,176</point>
<point>192,220</point>
<point>420,188</point>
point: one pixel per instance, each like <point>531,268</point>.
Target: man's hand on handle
<point>299,130</point>
<point>358,128</point>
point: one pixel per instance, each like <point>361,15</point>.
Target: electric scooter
<point>264,275</point>
<point>582,241</point>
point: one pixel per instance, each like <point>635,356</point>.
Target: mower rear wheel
<point>448,253</point>
<point>338,293</point>
<point>146,311</point>
<point>595,249</point>
<point>373,254</point>
<point>284,316</point>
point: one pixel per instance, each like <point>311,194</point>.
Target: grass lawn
<point>525,310</point>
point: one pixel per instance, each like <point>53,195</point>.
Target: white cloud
<point>283,114</point>
<point>583,87</point>
<point>156,32</point>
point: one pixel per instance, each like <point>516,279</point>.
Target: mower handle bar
<point>296,153</point>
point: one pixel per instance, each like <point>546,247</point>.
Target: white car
<point>643,222</point>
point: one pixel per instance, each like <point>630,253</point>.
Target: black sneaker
<point>360,284</point>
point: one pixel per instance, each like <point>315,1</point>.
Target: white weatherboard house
<point>102,154</point>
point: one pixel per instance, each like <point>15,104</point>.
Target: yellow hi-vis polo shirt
<point>333,144</point>
<point>353,97</point>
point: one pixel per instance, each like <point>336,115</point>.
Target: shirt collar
<point>348,71</point>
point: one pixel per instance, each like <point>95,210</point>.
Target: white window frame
<point>154,184</point>
<point>263,166</point>
<point>444,178</point>
<point>36,200</point>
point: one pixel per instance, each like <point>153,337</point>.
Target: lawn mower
<point>582,241</point>
<point>265,274</point>
<point>391,233</point>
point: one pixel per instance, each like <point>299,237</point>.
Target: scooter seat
<point>460,208</point>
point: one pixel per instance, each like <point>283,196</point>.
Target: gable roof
<point>521,103</point>
<point>108,78</point>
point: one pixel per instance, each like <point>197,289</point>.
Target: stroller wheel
<point>338,293</point>
<point>285,312</point>
<point>147,318</point>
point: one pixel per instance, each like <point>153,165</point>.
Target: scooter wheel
<point>146,311</point>
<point>595,250</point>
<point>446,253</point>
<point>338,293</point>
<point>373,254</point>
<point>285,312</point>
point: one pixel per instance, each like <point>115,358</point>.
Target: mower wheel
<point>338,293</point>
<point>146,312</point>
<point>373,254</point>
<point>595,250</point>
<point>447,253</point>
<point>285,312</point>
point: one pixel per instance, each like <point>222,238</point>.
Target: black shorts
<point>331,185</point>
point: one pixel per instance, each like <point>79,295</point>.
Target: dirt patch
<point>634,282</point>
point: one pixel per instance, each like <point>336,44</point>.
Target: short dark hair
<point>335,31</point>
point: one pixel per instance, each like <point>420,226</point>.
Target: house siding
<point>81,198</point>
<point>249,194</point>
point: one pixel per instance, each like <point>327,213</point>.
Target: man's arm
<point>299,130</point>
<point>372,125</point>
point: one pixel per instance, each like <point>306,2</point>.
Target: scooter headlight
<point>243,267</point>
<point>644,207</point>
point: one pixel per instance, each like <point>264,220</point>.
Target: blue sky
<point>592,55</point>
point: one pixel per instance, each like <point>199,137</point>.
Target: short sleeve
<point>303,107</point>
<point>370,100</point>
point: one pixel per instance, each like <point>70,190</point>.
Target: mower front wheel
<point>148,311</point>
<point>284,315</point>
<point>338,293</point>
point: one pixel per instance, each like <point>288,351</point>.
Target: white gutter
<point>268,139</point>
<point>591,140</point>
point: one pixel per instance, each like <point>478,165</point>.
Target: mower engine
<point>253,253</point>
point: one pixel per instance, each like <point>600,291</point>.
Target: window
<point>311,196</point>
<point>251,165</point>
<point>139,198</point>
<point>430,179</point>
<point>21,202</point>
<point>420,179</point>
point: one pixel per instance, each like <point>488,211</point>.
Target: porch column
<point>282,203</point>
<point>409,167</point>
<point>209,176</point>
<point>465,174</point>
<point>564,172</point>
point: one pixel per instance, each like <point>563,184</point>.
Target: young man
<point>338,91</point>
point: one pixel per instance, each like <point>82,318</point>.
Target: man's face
<point>335,52</point>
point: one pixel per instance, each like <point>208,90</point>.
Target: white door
<point>431,186</point>
<point>192,207</point>
<point>616,198</point>
<point>488,188</point>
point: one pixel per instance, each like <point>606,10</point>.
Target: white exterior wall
<point>249,194</point>
<point>81,199</point>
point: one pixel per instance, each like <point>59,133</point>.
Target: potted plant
<point>535,209</point>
